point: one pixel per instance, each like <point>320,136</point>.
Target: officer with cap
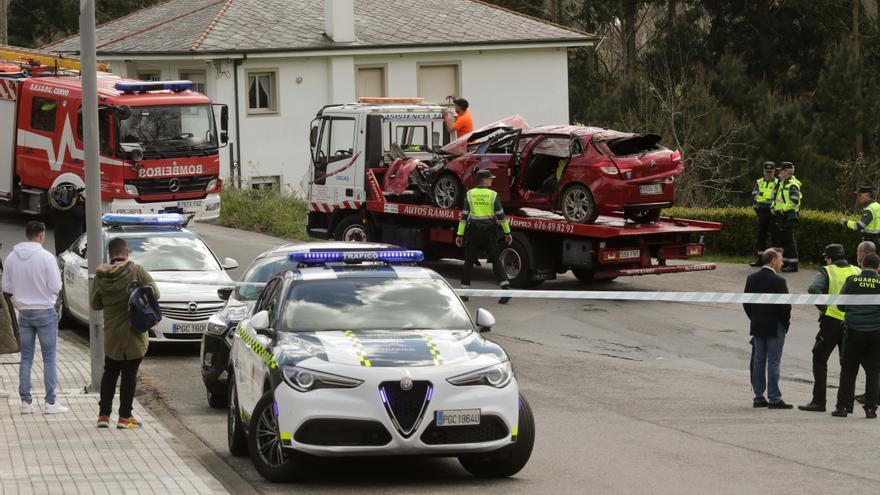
<point>869,224</point>
<point>829,280</point>
<point>67,199</point>
<point>786,211</point>
<point>478,230</point>
<point>762,199</point>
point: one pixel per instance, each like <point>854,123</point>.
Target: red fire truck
<point>159,145</point>
<point>352,147</point>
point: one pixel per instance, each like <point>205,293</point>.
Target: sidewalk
<point>65,453</point>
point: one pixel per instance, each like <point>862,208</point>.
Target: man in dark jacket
<point>862,342</point>
<point>769,324</point>
<point>124,347</point>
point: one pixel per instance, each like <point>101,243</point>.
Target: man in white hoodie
<point>31,275</point>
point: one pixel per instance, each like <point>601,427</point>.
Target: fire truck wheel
<point>516,259</point>
<point>352,229</point>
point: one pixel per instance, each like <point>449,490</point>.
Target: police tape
<point>682,297</point>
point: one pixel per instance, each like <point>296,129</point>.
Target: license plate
<point>651,189</point>
<point>188,328</point>
<point>457,417</point>
<point>630,254</point>
<point>189,205</point>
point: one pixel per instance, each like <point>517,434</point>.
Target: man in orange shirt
<point>463,124</point>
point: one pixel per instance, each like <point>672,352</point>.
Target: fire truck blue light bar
<point>384,256</point>
<point>142,86</point>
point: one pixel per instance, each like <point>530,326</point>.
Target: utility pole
<point>89,75</point>
<point>858,61</point>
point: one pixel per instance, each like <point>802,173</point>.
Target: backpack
<point>143,308</point>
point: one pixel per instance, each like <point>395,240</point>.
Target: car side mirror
<point>230,264</point>
<point>485,320</point>
<point>260,324</point>
<point>224,293</point>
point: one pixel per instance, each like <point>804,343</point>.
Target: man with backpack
<point>124,345</point>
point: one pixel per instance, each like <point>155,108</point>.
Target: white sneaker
<point>55,408</point>
<point>27,408</point>
<point>3,393</point>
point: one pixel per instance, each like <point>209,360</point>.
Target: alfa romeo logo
<point>193,307</point>
<point>406,383</point>
<point>174,184</point>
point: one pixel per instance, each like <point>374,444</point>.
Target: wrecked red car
<point>580,171</point>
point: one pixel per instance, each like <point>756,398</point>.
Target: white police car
<point>354,353</point>
<point>184,267</point>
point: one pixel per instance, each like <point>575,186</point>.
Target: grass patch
<point>263,211</point>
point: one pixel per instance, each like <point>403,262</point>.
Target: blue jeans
<point>42,324</point>
<point>765,366</point>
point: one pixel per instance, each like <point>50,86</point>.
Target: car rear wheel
<point>272,460</point>
<point>448,192</point>
<point>509,460</point>
<point>578,205</point>
<point>352,229</point>
<point>643,216</point>
<point>238,444</point>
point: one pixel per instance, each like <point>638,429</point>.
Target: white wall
<point>497,83</point>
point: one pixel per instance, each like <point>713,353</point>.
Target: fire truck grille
<point>165,186</point>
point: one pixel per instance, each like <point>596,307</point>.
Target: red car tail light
<point>676,156</point>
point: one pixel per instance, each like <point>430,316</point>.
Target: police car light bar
<point>352,257</point>
<point>157,220</point>
<point>143,86</point>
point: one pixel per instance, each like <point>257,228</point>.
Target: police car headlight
<point>497,376</point>
<point>131,189</point>
<point>304,380</point>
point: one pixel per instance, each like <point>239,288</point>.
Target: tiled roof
<point>236,26</point>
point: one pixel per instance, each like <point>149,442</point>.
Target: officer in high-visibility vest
<point>762,199</point>
<point>829,280</point>
<point>786,211</point>
<point>478,230</point>
<point>869,224</point>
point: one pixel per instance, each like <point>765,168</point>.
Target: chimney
<point>339,20</point>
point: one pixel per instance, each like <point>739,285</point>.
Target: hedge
<point>264,211</point>
<point>816,230</point>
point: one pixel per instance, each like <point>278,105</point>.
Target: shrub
<point>816,230</point>
<point>263,211</point>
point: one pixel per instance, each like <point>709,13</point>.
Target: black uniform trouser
<point>479,238</point>
<point>765,228</point>
<point>830,336</point>
<point>112,369</point>
<point>785,237</point>
<point>859,348</point>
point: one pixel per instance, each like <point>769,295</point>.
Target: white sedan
<point>362,356</point>
<point>184,267</point>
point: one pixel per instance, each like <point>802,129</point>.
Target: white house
<point>277,62</point>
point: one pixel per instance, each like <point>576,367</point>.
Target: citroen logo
<point>193,307</point>
<point>174,185</point>
<point>653,163</point>
<point>406,383</point>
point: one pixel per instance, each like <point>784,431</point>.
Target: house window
<point>198,79</point>
<point>149,75</point>
<point>436,82</point>
<point>370,81</point>
<point>262,92</point>
<point>43,112</point>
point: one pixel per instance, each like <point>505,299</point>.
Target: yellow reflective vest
<point>837,275</point>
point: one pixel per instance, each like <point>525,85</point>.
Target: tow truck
<point>159,146</point>
<point>352,148</point>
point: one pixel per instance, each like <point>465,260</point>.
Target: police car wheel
<point>273,461</point>
<point>238,444</point>
<point>65,319</point>
<point>509,460</point>
<point>216,398</point>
